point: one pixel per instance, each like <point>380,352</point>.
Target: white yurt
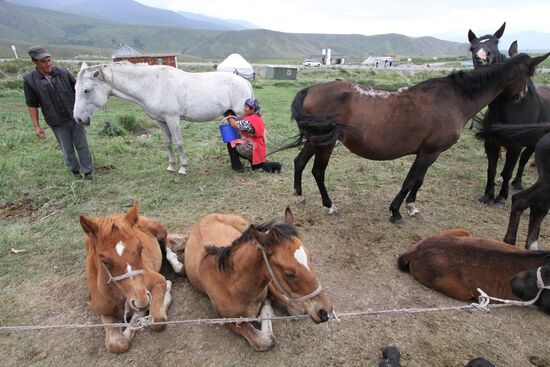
<point>236,64</point>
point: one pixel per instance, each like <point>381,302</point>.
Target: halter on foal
<point>532,107</point>
<point>534,284</point>
<point>238,265</point>
<point>124,257</point>
<point>456,264</point>
<point>424,120</point>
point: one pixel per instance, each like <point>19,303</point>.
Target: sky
<point>367,17</point>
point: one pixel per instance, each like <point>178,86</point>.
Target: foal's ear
<point>471,36</point>
<point>500,31</point>
<point>260,237</point>
<point>513,50</point>
<point>289,218</point>
<point>88,225</point>
<point>133,215</point>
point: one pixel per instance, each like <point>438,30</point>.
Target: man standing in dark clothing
<point>52,89</point>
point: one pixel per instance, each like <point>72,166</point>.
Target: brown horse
<point>237,264</point>
<point>424,120</point>
<point>456,264</point>
<point>124,256</point>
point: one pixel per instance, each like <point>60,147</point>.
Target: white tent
<point>235,63</point>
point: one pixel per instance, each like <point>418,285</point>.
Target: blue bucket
<point>228,133</point>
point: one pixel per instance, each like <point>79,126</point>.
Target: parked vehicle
<point>311,63</point>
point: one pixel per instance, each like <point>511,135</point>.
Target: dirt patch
<point>100,170</point>
<point>19,209</point>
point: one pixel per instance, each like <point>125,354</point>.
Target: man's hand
<point>40,132</point>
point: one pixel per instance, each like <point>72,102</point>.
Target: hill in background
<point>69,35</point>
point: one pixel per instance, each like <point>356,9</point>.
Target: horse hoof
<point>182,171</point>
<point>171,169</point>
<point>500,201</point>
<point>485,199</point>
<point>333,210</point>
<point>300,199</point>
<point>396,220</point>
<point>517,186</point>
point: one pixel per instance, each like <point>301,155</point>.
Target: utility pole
<point>14,51</point>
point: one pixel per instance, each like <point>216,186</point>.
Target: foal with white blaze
<point>167,95</point>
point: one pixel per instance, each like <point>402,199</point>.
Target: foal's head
<point>292,268</point>
<point>485,49</point>
<point>116,249</point>
<point>527,284</point>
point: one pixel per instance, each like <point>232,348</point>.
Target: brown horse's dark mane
<point>473,83</point>
<point>278,233</point>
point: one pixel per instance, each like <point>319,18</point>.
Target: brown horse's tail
<point>403,262</point>
<point>522,135</point>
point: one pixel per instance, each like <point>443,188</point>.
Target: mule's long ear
<point>88,225</point>
<point>500,31</point>
<point>537,60</point>
<point>260,237</point>
<point>471,36</point>
<point>513,50</point>
<point>133,215</point>
<point>289,218</point>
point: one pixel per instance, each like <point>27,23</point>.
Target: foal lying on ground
<point>124,256</point>
<point>238,264</point>
<point>456,264</point>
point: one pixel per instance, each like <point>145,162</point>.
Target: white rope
<point>143,322</point>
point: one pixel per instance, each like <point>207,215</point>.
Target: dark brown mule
<point>237,264</point>
<point>124,256</point>
<point>536,197</point>
<point>424,120</point>
<point>533,107</point>
<point>456,264</point>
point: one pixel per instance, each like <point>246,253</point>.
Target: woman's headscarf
<point>254,104</point>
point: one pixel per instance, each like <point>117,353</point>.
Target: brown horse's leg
<point>537,214</point>
<point>300,163</point>
<point>414,179</point>
<point>322,157</point>
<point>520,202</point>
<point>525,155</point>
<point>160,300</point>
<point>491,149</point>
<point>512,156</point>
<point>116,341</point>
<point>259,340</point>
<point>454,288</point>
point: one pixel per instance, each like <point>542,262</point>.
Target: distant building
<point>281,72</point>
<point>334,60</point>
<point>127,53</point>
<point>381,61</point>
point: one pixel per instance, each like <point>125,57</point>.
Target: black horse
<point>536,197</point>
<point>533,107</point>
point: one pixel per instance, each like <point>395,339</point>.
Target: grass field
<point>354,254</point>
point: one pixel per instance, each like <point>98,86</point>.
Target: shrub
<point>130,123</point>
<point>112,129</point>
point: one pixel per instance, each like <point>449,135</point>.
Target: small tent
<point>236,64</point>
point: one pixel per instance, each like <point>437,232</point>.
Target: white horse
<point>165,93</point>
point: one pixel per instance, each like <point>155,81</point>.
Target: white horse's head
<point>92,91</point>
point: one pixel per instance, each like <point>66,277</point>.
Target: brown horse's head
<point>289,263</point>
<point>527,284</point>
<point>117,254</point>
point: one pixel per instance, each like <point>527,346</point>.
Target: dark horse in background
<point>536,197</point>
<point>425,120</point>
<point>534,107</point>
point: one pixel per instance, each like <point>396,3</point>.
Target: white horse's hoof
<point>413,210</point>
<point>171,168</point>
<point>332,210</point>
<point>182,171</point>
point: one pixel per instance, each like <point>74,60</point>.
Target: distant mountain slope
<point>130,12</point>
<point>24,25</point>
<point>235,23</point>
